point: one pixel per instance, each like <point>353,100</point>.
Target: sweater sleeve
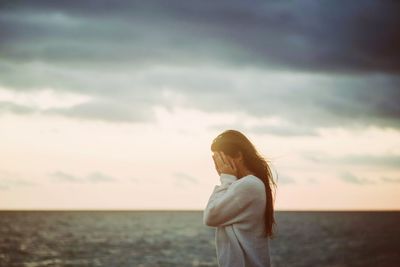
<point>228,205</point>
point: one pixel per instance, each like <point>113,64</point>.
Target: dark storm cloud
<point>210,56</point>
<point>312,35</point>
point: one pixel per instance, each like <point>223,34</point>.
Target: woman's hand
<point>224,164</point>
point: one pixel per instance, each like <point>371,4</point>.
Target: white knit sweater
<point>236,208</point>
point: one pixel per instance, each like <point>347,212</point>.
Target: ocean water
<point>179,239</point>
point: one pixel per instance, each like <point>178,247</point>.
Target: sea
<point>179,239</point>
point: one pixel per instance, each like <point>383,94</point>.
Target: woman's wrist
<point>227,178</point>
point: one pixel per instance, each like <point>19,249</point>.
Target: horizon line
<point>197,210</point>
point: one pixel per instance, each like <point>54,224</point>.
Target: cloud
<point>390,180</point>
<point>98,177</point>
<point>94,177</point>
<point>312,181</point>
<point>10,180</point>
<point>304,101</point>
<point>348,177</point>
<point>6,184</point>
<point>265,59</point>
<point>66,177</point>
<point>135,180</point>
<point>391,161</point>
<point>183,179</point>
<point>15,108</point>
<point>284,130</point>
<point>285,180</point>
<point>386,161</point>
<point>291,130</point>
<point>103,110</point>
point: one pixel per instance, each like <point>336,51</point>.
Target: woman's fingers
<point>216,166</point>
<point>224,159</point>
<point>233,165</point>
<point>228,161</point>
<point>223,163</point>
<point>219,164</point>
<point>219,159</point>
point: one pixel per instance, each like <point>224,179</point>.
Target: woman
<point>241,208</point>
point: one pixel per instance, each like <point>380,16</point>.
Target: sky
<point>114,104</point>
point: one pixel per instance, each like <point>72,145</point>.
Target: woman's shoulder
<point>251,179</point>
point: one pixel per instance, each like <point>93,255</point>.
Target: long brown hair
<point>231,142</point>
